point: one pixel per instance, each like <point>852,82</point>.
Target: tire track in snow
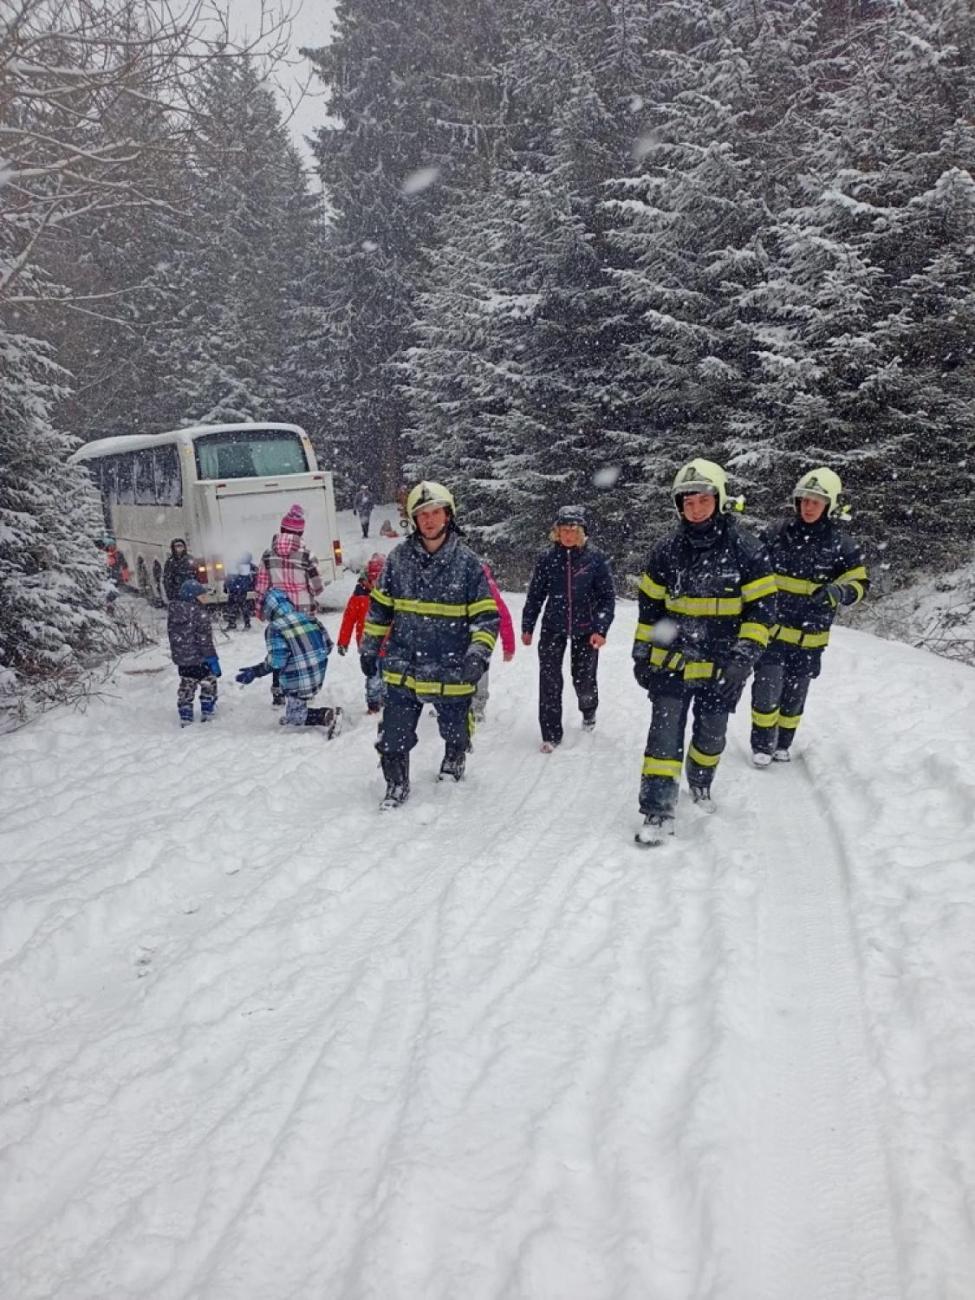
<point>813,1184</point>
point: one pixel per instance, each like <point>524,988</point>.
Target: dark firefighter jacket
<point>436,608</point>
<point>576,586</point>
<point>807,558</point>
<point>704,598</point>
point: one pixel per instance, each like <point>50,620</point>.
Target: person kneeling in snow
<point>297,650</point>
<point>193,652</point>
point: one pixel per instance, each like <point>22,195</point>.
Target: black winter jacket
<point>705,597</point>
<point>576,586</point>
<point>806,558</point>
<point>190,633</point>
<point>176,570</point>
<point>436,608</point>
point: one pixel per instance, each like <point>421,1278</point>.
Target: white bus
<point>222,487</point>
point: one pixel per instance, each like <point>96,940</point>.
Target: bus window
<point>249,454</point>
<point>124,486</point>
<point>145,481</point>
<point>169,487</point>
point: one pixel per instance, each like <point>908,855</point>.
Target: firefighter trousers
<point>778,698</point>
<point>664,754</point>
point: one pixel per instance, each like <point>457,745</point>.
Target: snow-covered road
<point>260,1042</point>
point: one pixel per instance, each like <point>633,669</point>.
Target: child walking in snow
<point>354,619</point>
<point>193,652</point>
<point>297,651</point>
<point>237,587</point>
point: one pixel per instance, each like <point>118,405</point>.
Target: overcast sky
<point>311,26</point>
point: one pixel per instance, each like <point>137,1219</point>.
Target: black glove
<point>731,679</point>
<point>342,649</point>
<point>828,596</point>
<point>369,663</point>
<point>643,673</point>
<point>474,667</point>
<point>245,676</point>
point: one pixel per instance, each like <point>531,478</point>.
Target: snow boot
<point>589,721</point>
<point>549,746</point>
<point>330,719</point>
<point>655,830</point>
<point>701,794</point>
<point>781,756</point>
<point>396,770</point>
<point>760,759</point>
<point>453,765</point>
<point>277,697</point>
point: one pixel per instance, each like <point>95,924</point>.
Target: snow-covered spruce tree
<point>226,349</point>
<point>869,301</point>
<point>51,576</point>
<point>721,109</point>
<point>415,99</point>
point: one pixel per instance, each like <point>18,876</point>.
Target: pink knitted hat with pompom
<point>294,521</point>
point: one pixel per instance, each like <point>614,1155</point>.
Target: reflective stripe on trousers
<point>778,698</point>
<point>664,754</point>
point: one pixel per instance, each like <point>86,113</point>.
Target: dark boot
<point>396,770</point>
<point>453,764</point>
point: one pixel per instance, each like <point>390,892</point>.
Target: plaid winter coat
<point>297,646</point>
<point>290,567</point>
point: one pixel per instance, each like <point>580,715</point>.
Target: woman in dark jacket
<point>574,583</point>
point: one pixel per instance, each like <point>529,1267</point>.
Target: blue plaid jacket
<point>297,646</point>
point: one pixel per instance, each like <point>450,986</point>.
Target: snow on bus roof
<point>140,441</point>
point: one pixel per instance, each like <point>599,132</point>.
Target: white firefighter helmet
<point>823,484</point>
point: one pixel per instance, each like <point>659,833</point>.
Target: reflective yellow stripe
<point>644,632</point>
<point>759,587</point>
<point>427,688</point>
<point>485,638</point>
<point>697,670</point>
<point>765,719</point>
<point>432,607</point>
<point>381,597</point>
<point>790,721</point>
<point>805,640</point>
<point>482,607</point>
<point>702,759</point>
<point>661,657</point>
<point>754,632</point>
<point>858,571</point>
<point>375,629</point>
<point>704,606</point>
<point>795,586</point>
<point>650,588</point>
<point>662,767</point>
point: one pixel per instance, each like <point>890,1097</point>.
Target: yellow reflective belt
<point>662,767</point>
<point>790,720</point>
<point>644,632</point>
<point>427,688</point>
<point>702,759</point>
<point>650,588</point>
<point>754,632</point>
<point>375,629</point>
<point>482,607</point>
<point>381,597</point>
<point>805,640</point>
<point>765,719</point>
<point>795,586</point>
<point>704,606</point>
<point>696,670</point>
<point>759,587</point>
<point>485,638</point>
<point>661,657</point>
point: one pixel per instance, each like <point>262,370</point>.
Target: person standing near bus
<point>363,507</point>
<point>179,568</point>
<point>290,567</point>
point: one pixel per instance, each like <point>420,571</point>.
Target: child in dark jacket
<point>354,619</point>
<point>193,652</point>
<point>297,650</point>
<point>237,586</point>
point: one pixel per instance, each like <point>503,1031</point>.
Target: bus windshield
<point>249,453</point>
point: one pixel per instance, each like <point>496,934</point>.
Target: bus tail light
<point>201,572</point>
<point>337,553</point>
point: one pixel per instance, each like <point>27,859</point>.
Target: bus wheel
<point>157,585</point>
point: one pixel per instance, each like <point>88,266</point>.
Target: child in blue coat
<point>193,652</point>
<point>237,586</point>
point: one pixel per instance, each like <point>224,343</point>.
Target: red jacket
<point>355,613</point>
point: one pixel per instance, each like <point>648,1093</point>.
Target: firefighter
<point>818,567</point>
<point>706,607</point>
<point>433,601</point>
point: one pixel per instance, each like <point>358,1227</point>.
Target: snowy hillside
<point>261,1042</point>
